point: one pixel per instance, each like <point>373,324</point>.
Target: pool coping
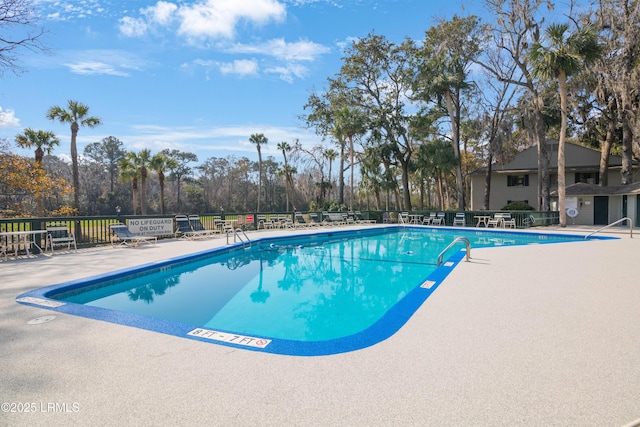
<point>386,326</point>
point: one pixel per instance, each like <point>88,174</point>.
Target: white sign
<point>151,226</point>
<point>232,338</point>
<point>571,202</point>
<point>39,301</point>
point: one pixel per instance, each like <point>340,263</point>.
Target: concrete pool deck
<point>533,335</point>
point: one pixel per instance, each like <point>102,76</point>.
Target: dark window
<point>517,180</point>
<point>588,178</point>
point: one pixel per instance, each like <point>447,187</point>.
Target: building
<point>587,202</point>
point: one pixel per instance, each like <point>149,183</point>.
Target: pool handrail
<point>237,236</point>
<point>456,240</point>
<point>626,218</point>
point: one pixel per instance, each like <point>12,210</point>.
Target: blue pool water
<point>318,294</point>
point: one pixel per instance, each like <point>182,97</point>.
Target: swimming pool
<point>317,294</point>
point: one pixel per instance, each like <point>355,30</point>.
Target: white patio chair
<point>460,219</point>
<point>59,235</point>
<point>496,221</point>
<point>428,220</point>
<point>508,221</point>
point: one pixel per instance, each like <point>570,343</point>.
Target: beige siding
<point>501,193</point>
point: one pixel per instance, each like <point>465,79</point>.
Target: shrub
<point>518,206</point>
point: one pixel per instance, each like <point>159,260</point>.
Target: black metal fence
<point>94,230</point>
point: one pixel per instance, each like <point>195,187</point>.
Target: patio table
<point>415,218</point>
<point>482,220</point>
<point>28,238</point>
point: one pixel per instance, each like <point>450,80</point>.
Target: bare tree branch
<point>19,31</point>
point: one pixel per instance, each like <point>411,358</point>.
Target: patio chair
<point>428,220</point>
<point>439,219</point>
<point>285,222</point>
<point>460,219</point>
<point>315,219</point>
<point>359,219</point>
<point>3,250</point>
<point>333,218</point>
<point>59,235</point>
<point>496,221</point>
<point>218,223</point>
<point>127,238</point>
<point>349,218</point>
<point>184,229</point>
<point>301,222</point>
<point>198,227</point>
<point>508,221</point>
<point>403,218</point>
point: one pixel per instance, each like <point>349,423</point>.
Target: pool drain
<point>39,320</point>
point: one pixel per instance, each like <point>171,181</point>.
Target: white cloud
<point>302,50</point>
<point>218,18</point>
<point>54,16</point>
<point>218,141</point>
<point>132,27</point>
<point>288,72</point>
<point>240,67</point>
<point>204,19</point>
<point>290,54</point>
<point>162,13</point>
<point>243,67</point>
<point>57,10</point>
<point>95,67</point>
<point>347,43</point>
<point>8,119</point>
<point>110,62</point>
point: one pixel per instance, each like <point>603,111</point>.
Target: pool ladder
<point>456,240</point>
<point>621,220</point>
<point>239,234</point>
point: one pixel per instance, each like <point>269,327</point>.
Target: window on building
<point>517,180</point>
<point>588,177</point>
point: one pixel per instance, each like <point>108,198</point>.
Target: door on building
<point>601,210</point>
<point>637,211</point>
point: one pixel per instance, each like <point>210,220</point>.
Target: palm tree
<point>181,170</point>
<point>565,55</point>
<point>44,141</point>
<point>129,171</point>
<point>285,147</point>
<point>259,139</point>
<point>288,171</point>
<point>76,115</point>
<point>436,159</point>
<point>330,154</point>
<point>159,164</point>
<point>144,158</point>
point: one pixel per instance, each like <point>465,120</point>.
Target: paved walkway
<point>538,335</point>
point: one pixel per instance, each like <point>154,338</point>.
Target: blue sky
<point>198,76</point>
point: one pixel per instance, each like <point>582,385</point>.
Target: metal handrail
<point>244,234</point>
<point>237,237</point>
<point>626,218</point>
<point>456,240</point>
